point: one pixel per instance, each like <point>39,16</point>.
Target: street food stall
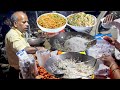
<point>71,39</point>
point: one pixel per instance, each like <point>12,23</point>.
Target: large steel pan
<point>57,42</point>
<point>50,63</point>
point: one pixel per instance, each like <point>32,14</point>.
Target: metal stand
<point>94,30</point>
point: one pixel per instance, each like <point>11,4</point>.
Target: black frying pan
<point>70,55</point>
<point>57,42</point>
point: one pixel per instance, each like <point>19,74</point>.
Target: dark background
<point>32,16</point>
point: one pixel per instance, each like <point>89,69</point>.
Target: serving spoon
<point>92,42</point>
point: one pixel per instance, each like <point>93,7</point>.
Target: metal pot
<point>33,41</point>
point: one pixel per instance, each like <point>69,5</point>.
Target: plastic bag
<point>42,57</point>
<point>27,65</point>
<point>101,47</point>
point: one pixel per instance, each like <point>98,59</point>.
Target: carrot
<point>59,52</point>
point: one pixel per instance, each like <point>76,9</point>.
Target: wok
<point>57,42</point>
<point>34,41</point>
<point>50,63</point>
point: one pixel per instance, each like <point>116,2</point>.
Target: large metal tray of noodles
<point>52,67</point>
<point>58,42</point>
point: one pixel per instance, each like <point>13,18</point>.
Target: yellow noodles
<point>51,21</point>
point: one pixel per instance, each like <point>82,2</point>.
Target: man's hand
<point>109,39</point>
<point>107,60</point>
<point>41,48</point>
<point>113,42</point>
<point>108,19</point>
<point>49,35</point>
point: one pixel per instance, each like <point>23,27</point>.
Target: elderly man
<point>15,41</point>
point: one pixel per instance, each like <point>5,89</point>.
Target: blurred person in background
<point>5,28</point>
<point>109,17</point>
<point>15,41</point>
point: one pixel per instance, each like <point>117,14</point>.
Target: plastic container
<point>42,57</point>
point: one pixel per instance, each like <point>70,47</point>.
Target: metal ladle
<point>58,73</point>
<point>92,42</point>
